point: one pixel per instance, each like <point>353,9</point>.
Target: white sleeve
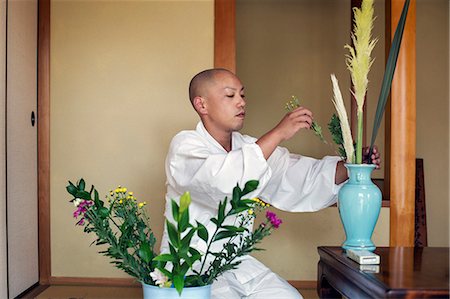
<point>190,166</point>
<point>299,183</point>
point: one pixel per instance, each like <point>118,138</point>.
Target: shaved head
<point>199,83</point>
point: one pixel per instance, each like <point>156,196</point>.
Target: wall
<point>433,113</point>
<point>119,77</point>
<point>289,48</point>
<point>119,73</point>
<point>3,257</point>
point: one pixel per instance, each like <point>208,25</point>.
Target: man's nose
<point>241,102</point>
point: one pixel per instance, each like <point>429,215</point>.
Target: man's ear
<point>200,105</point>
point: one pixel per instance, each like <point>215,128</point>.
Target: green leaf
<point>187,239</point>
<point>246,202</point>
<point>195,254</point>
<point>236,194</point>
<point>234,228</point>
<point>97,201</point>
<point>71,189</point>
<point>81,185</point>
<point>224,234</point>
<point>185,201</point>
<point>221,211</point>
<point>165,257</point>
<point>184,221</point>
<point>175,210</point>
<point>238,210</point>
<point>202,232</point>
<point>389,73</point>
<point>103,212</point>
<point>178,282</point>
<point>173,234</point>
<point>249,187</point>
<point>83,195</point>
<point>145,253</point>
<point>214,220</point>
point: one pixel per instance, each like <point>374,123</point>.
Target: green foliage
<point>122,225</point>
<point>334,126</point>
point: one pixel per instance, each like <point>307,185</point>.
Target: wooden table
<point>412,272</point>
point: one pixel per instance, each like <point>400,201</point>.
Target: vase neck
<point>360,173</point>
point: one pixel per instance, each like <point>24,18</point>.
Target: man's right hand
<point>292,122</point>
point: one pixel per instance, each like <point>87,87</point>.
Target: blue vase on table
<point>359,203</point>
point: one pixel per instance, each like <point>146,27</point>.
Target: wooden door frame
<point>43,128</point>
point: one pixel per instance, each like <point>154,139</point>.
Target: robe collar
<point>202,131</point>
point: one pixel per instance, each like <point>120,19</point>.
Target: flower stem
<point>359,137</point>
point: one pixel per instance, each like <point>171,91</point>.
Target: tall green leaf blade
<point>175,210</point>
<point>173,234</point>
<point>178,281</point>
<point>389,73</point>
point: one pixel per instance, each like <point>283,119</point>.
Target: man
<point>209,161</point>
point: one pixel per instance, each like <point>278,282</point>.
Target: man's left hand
<point>374,159</point>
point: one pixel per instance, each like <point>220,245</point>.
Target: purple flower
<point>81,210</point>
<point>274,220</point>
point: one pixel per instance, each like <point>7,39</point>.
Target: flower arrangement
<point>122,224</point>
<point>358,63</point>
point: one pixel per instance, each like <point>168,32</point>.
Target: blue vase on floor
<point>359,203</point>
<point>155,292</point>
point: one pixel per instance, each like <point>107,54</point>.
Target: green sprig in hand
<point>317,129</point>
<point>333,126</point>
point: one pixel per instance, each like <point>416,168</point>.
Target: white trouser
<point>266,285</point>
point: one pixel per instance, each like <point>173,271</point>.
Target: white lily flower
<point>159,278</point>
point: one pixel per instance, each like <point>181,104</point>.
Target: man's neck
<point>223,138</point>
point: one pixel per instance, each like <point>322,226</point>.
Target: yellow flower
<point>250,212</point>
<point>120,201</point>
<point>124,190</point>
<point>117,190</point>
<point>131,193</point>
<point>141,204</point>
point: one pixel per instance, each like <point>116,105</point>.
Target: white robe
<point>197,163</point>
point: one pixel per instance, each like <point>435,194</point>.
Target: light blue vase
<point>155,292</point>
<point>359,202</point>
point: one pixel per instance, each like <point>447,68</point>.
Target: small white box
<point>363,257</point>
<point>370,268</point>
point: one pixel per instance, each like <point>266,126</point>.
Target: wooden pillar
<point>403,129</point>
<point>43,126</point>
<point>225,34</point>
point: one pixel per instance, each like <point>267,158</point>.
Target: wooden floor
<point>90,292</point>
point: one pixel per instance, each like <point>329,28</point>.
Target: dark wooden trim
<point>33,292</point>
<point>225,34</point>
<point>43,128</point>
<point>95,281</point>
<point>403,132</point>
<point>131,282</point>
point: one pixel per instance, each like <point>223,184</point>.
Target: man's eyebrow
<point>234,89</point>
